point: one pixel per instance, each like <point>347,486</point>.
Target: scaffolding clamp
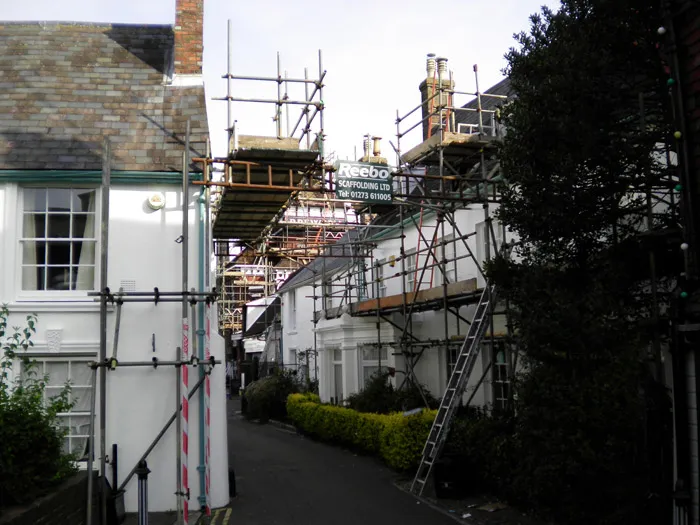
<point>156,296</point>
<point>155,362</point>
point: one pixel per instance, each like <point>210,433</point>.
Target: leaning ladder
<point>466,359</point>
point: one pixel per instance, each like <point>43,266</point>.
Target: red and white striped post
<point>185,417</point>
<point>207,421</point>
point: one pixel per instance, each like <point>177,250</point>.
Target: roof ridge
<point>51,23</point>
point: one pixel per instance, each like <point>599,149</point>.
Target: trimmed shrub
<point>402,438</point>
<point>379,396</point>
<point>266,398</point>
<point>397,439</point>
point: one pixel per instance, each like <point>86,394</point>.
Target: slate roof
<point>64,86</point>
<point>336,256</point>
<point>487,103</point>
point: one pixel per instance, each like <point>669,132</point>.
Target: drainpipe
<point>203,267</point>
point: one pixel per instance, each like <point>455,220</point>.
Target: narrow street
<point>285,479</point>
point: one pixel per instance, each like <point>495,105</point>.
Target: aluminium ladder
<point>466,359</point>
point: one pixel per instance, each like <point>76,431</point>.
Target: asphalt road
<point>285,479</point>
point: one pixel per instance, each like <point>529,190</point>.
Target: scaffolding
<point>187,358</point>
<point>271,206</point>
<point>453,168</point>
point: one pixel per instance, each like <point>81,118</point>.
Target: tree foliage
<point>582,150</point>
<point>31,455</point>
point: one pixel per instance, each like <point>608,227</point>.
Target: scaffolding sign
<point>364,182</point>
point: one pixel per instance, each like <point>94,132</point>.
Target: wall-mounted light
<point>156,201</point>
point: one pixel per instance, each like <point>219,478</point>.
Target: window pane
<point>33,226</point>
<point>85,278</point>
<point>83,252</point>
<point>58,278</point>
<point>80,373</point>
<point>53,392</point>
<point>337,354</point>
<point>33,278</point>
<point>84,225</point>
<point>58,373</point>
<point>34,199</point>
<point>58,252</point>
<point>59,199</point>
<point>59,226</point>
<point>83,199</point>
<point>33,252</point>
<point>79,425</point>
<point>81,398</point>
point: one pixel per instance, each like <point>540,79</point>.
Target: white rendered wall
<point>347,332</point>
<point>142,249</point>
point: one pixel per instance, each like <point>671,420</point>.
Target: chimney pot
<point>377,148</point>
<point>430,65</point>
<point>366,145</point>
<point>442,67</point>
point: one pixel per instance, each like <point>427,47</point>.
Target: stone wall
<point>66,505</point>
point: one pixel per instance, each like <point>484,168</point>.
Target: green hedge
<point>266,398</point>
<point>397,439</point>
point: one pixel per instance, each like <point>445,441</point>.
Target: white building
<point>137,85</point>
<point>347,327</point>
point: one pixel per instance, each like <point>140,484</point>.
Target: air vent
<point>128,285</point>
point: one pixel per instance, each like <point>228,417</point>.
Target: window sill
<point>63,304</point>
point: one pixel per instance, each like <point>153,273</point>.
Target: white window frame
<point>499,374</point>
<point>451,356</point>
<point>369,355</point>
<point>450,262</point>
<point>41,367</point>
<point>481,240</point>
<point>53,295</point>
<point>336,360</point>
<point>411,269</point>
<point>292,309</point>
<point>380,285</point>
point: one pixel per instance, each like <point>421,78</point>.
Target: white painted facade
<point>343,362</point>
<point>143,254</point>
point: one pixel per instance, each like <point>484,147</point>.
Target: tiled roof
<point>64,86</point>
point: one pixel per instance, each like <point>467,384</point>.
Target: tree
<point>582,156</point>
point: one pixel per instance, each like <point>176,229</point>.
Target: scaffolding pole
<point>104,251</point>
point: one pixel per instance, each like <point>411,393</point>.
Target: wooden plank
<point>423,296</point>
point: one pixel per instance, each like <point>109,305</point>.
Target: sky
<point>373,51</point>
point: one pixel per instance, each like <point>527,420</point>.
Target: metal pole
<point>229,107</point>
<point>91,446</point>
<point>104,242</point>
<point>478,100</point>
<point>306,110</point>
<point>115,343</point>
<point>321,136</point>
<point>278,111</point>
<point>142,472</point>
<point>156,363</point>
<point>286,96</point>
<point>182,507</point>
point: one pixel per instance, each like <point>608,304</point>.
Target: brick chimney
<point>436,76</point>
<point>189,37</point>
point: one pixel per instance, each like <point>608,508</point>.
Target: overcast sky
<point>373,51</point>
